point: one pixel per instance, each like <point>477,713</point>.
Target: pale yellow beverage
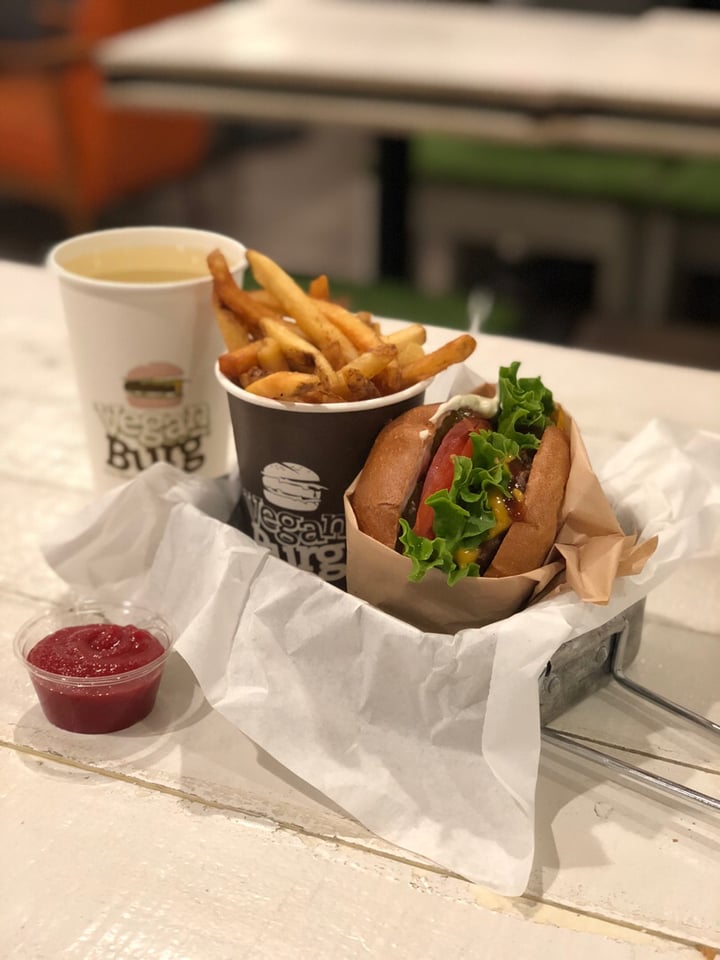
<point>144,338</point>
<point>141,264</point>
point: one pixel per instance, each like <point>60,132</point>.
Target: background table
<point>179,838</point>
<point>648,83</point>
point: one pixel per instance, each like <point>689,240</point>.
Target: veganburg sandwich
<point>472,487</point>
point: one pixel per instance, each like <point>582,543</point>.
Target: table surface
<point>651,81</point>
<point>179,838</point>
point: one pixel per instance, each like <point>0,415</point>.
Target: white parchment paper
<point>432,741</point>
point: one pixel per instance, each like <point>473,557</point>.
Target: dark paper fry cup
<point>295,462</point>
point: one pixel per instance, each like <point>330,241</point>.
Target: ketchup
<point>89,653</point>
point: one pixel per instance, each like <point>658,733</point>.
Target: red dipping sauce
<point>95,677</point>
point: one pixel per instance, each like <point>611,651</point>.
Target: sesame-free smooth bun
<point>473,487</point>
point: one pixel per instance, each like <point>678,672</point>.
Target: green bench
<point>679,185</point>
<point>618,210</point>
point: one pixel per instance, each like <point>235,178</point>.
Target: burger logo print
<point>288,515</point>
<point>154,419</point>
<point>292,487</point>
<point>154,385</point>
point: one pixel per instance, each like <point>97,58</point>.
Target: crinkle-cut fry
<point>293,300</point>
<point>372,362</point>
<point>431,364</point>
<point>284,385</point>
<point>299,352</point>
<point>270,356</point>
<point>319,287</point>
<point>413,333</point>
<point>233,297</point>
<point>232,329</point>
<point>360,335</point>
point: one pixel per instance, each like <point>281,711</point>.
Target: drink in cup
<point>139,311</point>
<point>295,462</point>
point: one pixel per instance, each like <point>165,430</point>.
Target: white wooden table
<point>459,68</point>
<point>648,83</point>
<point>178,839</point>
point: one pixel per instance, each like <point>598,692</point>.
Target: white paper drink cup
<point>145,352</point>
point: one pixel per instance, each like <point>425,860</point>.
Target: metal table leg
<point>394,258</point>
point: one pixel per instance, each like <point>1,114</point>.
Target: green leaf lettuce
<point>464,518</point>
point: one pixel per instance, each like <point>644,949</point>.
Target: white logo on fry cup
<point>292,486</point>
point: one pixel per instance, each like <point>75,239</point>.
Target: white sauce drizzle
<point>482,406</point>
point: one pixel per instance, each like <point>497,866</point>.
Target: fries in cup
<point>287,344</point>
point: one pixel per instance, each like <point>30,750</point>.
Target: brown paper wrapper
<point>591,550</point>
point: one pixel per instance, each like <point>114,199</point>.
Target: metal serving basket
<point>583,665</point>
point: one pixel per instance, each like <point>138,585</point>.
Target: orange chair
<point>61,145</point>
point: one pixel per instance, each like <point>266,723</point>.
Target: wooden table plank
<point>181,880</point>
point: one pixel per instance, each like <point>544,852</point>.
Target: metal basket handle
<point>580,749</point>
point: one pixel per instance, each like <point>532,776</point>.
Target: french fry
<point>237,362</point>
<point>372,362</point>
<point>292,326</point>
<point>329,378</point>
<point>319,288</point>
<point>409,353</point>
<point>414,333</point>
<point>333,353</point>
<point>284,385</point>
<point>251,375</point>
<point>265,298</point>
<point>321,394</point>
<point>291,345</point>
<point>227,367</point>
<point>303,356</point>
<point>232,296</point>
<point>270,356</point>
<point>369,320</point>
<point>232,329</point>
<point>390,380</point>
<point>360,335</point>
<point>431,364</point>
<point>293,300</point>
<point>299,352</point>
<point>358,386</point>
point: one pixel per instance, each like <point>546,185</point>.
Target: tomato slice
<point>456,442</point>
